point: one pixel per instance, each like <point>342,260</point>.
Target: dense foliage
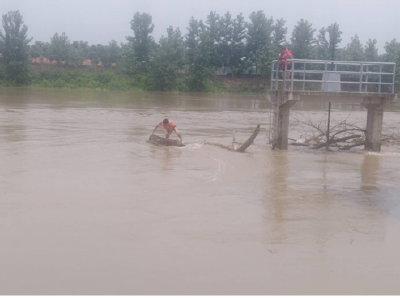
<point>178,61</point>
<point>14,47</point>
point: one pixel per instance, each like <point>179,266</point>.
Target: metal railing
<point>334,76</point>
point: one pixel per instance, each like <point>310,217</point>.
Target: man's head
<point>282,48</point>
<point>165,121</point>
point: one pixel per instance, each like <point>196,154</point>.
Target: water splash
<point>221,168</point>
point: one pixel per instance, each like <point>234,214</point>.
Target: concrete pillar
<point>281,111</point>
<point>374,127</point>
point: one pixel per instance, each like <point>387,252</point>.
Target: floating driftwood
<point>241,147</point>
<point>159,141</point>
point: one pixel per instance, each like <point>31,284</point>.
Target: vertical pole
<point>272,74</point>
<point>304,76</point>
<point>394,74</point>
<point>334,42</point>
<point>374,127</point>
<point>277,77</point>
<point>380,78</point>
<point>366,80</point>
<point>325,75</point>
<point>333,68</point>
<point>361,75</point>
<point>284,77</point>
<point>291,84</point>
<point>329,122</point>
<point>340,83</point>
<point>281,122</point>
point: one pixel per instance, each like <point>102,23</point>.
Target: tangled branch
<point>343,135</point>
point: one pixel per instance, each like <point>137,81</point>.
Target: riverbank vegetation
<point>89,79</point>
<point>220,46</point>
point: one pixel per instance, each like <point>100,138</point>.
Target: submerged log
<point>159,141</point>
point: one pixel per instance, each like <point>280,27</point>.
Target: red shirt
<point>283,58</point>
<point>169,126</point>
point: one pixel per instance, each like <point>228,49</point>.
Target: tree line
<point>227,43</point>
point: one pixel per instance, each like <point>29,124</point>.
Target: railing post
<point>292,74</point>
<point>366,80</point>
<point>394,75</point>
<point>272,74</point>
<point>340,77</point>
<point>284,77</point>
<point>325,75</point>
<point>277,76</point>
<point>380,78</point>
<point>361,75</point>
<point>304,77</point>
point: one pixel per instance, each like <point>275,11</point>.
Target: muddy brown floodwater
<point>88,207</point>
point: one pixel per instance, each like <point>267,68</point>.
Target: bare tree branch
<point>343,135</point>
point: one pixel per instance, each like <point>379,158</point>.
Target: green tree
<point>322,45</point>
<point>115,51</point>
<point>225,42</point>
<point>36,49</point>
<point>168,58</point>
<point>259,41</point>
<point>198,43</point>
<point>128,62</point>
<point>392,50</point>
<point>371,51</point>
<point>15,48</point>
<point>59,48</point>
<point>328,46</point>
<point>238,47</point>
<point>303,40</point>
<point>212,25</point>
<point>104,55</point>
<point>93,55</point>
<point>259,63</point>
<point>192,39</point>
<point>261,60</point>
<point>279,33</point>
<point>259,31</point>
<point>392,54</point>
<point>142,42</point>
<point>354,51</point>
<point>40,49</point>
<point>78,52</point>
<point>334,39</point>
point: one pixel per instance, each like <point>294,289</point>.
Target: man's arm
<point>177,132</point>
<point>155,129</point>
<point>277,61</point>
<point>288,56</point>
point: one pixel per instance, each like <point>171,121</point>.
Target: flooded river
<point>88,207</point>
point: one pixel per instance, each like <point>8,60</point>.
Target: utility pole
<point>333,46</point>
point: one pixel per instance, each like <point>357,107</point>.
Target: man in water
<point>168,127</point>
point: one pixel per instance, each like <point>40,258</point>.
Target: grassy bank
<point>109,80</point>
<point>81,79</point>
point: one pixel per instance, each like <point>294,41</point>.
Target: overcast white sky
<point>99,21</point>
